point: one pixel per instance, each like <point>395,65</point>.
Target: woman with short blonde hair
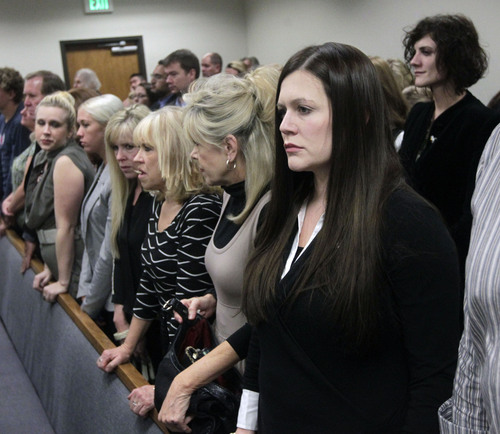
<point>163,130</point>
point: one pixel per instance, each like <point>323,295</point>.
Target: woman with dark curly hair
<point>444,138</point>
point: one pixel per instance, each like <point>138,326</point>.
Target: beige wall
<point>278,28</point>
<point>269,29</point>
<point>35,29</point>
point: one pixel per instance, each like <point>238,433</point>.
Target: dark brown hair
<point>396,103</point>
<point>345,261</point>
<point>216,59</point>
<point>459,54</point>
<point>187,59</point>
<point>12,81</point>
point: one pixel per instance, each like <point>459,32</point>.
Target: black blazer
<point>310,381</point>
<point>445,171</point>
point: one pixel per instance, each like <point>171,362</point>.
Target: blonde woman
<point>231,124</point>
<point>95,281</point>
<point>61,176</point>
<point>184,215</point>
<point>236,67</point>
<point>130,210</point>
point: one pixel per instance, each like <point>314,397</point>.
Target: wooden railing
<point>127,373</point>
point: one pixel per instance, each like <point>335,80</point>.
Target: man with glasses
<point>159,87</point>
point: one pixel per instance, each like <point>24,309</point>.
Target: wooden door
<point>113,60</point>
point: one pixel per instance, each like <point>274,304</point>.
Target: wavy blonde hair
<point>244,107</point>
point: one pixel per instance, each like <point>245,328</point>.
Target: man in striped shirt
<point>475,404</point>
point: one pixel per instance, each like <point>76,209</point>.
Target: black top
<point>309,382</point>
<point>441,160</point>
<point>226,228</point>
<point>127,269</point>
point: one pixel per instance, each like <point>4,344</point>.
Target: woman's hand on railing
<point>42,279</point>
<point>113,357</point>
<point>142,400</point>
<point>50,292</point>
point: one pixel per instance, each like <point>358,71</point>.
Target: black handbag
<point>215,405</point>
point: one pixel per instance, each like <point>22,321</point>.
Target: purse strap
<point>175,305</point>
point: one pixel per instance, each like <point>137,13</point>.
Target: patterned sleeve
<point>147,304</point>
<point>464,412</point>
<point>196,229</point>
<point>194,226</point>
<point>198,224</point>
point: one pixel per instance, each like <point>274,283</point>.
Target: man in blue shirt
<point>14,137</point>
<point>182,67</point>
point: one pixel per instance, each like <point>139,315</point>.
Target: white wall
<point>278,28</point>
<point>35,29</point>
<point>269,29</point>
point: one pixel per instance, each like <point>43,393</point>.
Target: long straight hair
<point>345,261</point>
<point>120,124</point>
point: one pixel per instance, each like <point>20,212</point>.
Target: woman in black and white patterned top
<point>173,259</point>
<point>184,216</point>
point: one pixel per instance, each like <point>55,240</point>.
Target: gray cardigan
<point>95,279</point>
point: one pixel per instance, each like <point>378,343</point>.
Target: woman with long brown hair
<point>444,138</point>
<point>353,286</point>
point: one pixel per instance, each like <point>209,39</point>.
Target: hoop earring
<point>228,163</point>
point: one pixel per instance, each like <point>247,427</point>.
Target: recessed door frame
<point>102,42</point>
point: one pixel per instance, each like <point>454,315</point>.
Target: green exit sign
<point>98,6</point>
